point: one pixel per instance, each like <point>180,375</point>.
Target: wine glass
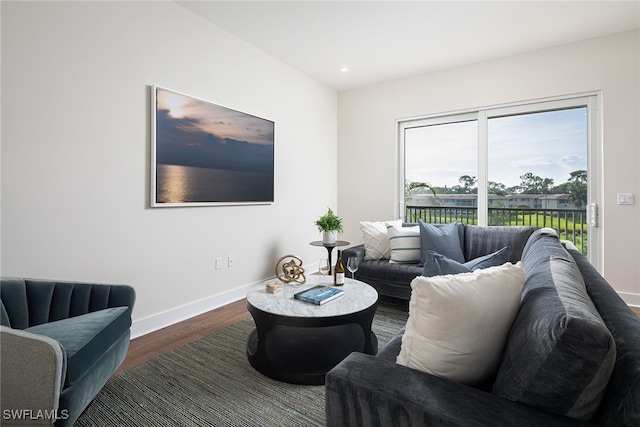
<point>352,265</point>
<point>323,266</point>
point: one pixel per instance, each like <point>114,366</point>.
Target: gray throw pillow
<point>499,257</point>
<point>437,264</point>
<point>444,240</point>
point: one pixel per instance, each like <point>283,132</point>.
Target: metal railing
<point>570,224</point>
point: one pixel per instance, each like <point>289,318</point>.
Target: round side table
<point>329,247</point>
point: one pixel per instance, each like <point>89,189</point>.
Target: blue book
<point>319,294</point>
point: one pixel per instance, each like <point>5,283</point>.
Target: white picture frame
<point>205,154</point>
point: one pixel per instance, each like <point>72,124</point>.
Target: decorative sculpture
<point>289,269</point>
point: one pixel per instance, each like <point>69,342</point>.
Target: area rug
<point>209,382</point>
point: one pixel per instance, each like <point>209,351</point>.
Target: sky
<point>548,144</point>
<point>193,132</point>
<point>215,119</point>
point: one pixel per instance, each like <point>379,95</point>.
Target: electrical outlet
<point>218,263</point>
<point>231,261</point>
<point>625,198</point>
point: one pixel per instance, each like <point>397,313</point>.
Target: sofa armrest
<point>353,251</point>
<point>33,368</point>
<point>365,390</point>
<point>121,296</point>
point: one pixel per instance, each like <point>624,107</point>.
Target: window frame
<point>590,100</point>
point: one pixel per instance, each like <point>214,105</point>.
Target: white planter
<point>329,237</point>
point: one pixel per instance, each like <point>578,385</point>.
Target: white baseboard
<point>630,299</point>
<point>161,320</point>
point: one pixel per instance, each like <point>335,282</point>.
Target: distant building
<point>531,201</point>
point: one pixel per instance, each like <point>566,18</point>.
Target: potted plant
<point>330,225</point>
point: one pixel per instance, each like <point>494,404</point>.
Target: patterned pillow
<point>405,244</point>
<point>376,239</point>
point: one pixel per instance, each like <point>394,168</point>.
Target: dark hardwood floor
<point>171,337</point>
<point>166,339</point>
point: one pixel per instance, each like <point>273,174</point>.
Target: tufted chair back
<point>30,302</point>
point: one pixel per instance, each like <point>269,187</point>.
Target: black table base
<point>302,350</point>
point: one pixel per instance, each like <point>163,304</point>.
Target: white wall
<point>75,154</point>
<point>367,132</point>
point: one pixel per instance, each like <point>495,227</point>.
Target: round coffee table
<point>299,342</point>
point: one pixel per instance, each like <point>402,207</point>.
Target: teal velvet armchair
<point>60,343</point>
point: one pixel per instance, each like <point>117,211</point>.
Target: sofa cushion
<point>4,316</point>
<point>383,270</point>
<point>621,403</point>
<point>405,244</point>
<point>559,355</point>
<point>458,324</point>
<point>443,239</point>
<point>437,264</point>
<point>376,239</point>
<point>391,350</point>
<point>480,240</point>
<point>15,306</point>
<point>86,338</point>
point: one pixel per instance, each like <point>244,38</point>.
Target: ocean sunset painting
<point>207,154</point>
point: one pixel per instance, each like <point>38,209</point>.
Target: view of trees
<point>575,187</point>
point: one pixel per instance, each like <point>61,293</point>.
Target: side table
<point>329,247</point>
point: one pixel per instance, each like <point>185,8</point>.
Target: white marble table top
<point>357,297</point>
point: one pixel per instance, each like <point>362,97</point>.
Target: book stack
<point>319,294</point>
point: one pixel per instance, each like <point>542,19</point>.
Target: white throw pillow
<point>405,243</point>
<point>458,324</point>
<point>376,239</point>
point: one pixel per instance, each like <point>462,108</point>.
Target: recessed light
<point>344,70</point>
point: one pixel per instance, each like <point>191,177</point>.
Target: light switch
<point>625,199</point>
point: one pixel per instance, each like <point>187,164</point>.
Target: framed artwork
<point>204,154</point>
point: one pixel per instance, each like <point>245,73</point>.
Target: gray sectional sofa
<point>61,342</point>
<point>572,357</point>
<point>394,279</point>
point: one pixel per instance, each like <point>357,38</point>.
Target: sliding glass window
<point>524,164</point>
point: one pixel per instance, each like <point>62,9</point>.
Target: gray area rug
<point>209,382</point>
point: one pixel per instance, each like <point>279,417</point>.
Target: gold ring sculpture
<point>291,270</point>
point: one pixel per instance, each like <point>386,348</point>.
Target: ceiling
<point>385,40</point>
